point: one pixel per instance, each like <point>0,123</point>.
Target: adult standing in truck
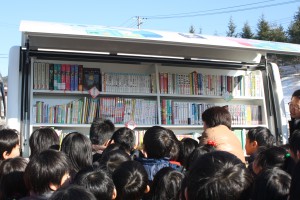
<point>294,107</point>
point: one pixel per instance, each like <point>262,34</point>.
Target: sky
<point>211,17</point>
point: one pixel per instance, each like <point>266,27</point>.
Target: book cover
<point>92,77</point>
<point>68,77</point>
<point>80,77</point>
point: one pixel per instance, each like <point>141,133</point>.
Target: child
<point>197,153</point>
<point>295,184</point>
<point>294,143</point>
<point>79,150</point>
<point>257,137</point>
<point>272,184</point>
<point>158,143</point>
<point>98,182</point>
<point>46,172</point>
<point>111,160</point>
<point>218,175</point>
<point>42,139</point>
<point>100,133</point>
<point>131,181</point>
<point>9,144</point>
<point>12,185</point>
<point>269,158</point>
<point>125,137</point>
<point>166,184</point>
<point>188,145</point>
<point>73,192</point>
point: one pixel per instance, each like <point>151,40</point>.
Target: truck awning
<point>119,40</point>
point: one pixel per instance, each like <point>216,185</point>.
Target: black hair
<point>47,167</point>
<point>166,184</point>
<point>294,142</point>
<point>158,142</point>
<point>295,183</point>
<point>125,137</point>
<point>98,182</point>
<point>187,146</point>
<point>272,184</point>
<point>79,150</point>
<point>12,185</point>
<point>73,192</point>
<point>219,175</point>
<point>216,116</point>
<point>130,180</point>
<point>197,153</point>
<point>262,136</point>
<point>176,149</point>
<point>9,139</point>
<point>273,157</point>
<point>111,160</point>
<point>42,139</point>
<point>296,94</point>
<point>101,131</point>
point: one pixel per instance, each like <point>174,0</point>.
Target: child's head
<point>272,184</point>
<point>295,184</point>
<point>269,158</point>
<point>125,137</point>
<point>47,171</point>
<point>256,137</point>
<point>98,182</point>
<point>101,131</point>
<point>79,150</point>
<point>166,184</point>
<point>158,142</point>
<point>42,139</point>
<point>197,153</point>
<point>218,175</point>
<point>111,160</point>
<point>188,145</point>
<point>12,184</point>
<point>294,144</point>
<point>131,181</point>
<point>73,192</point>
<point>9,144</point>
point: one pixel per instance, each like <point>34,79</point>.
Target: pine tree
<point>294,29</point>
<point>231,29</point>
<point>277,34</point>
<point>263,29</point>
<point>247,32</point>
<point>192,29</point>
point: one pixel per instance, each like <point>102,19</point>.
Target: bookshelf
<point>149,93</point>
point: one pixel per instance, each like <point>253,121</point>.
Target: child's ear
<point>147,189</point>
<point>53,187</point>
<point>114,196</point>
<point>254,144</point>
<point>5,155</point>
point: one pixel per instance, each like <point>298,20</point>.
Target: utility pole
<point>139,21</point>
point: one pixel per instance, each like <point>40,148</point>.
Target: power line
<point>200,13</point>
<point>204,11</point>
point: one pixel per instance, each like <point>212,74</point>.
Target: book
<point>91,78</point>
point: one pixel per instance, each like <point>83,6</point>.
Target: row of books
<point>189,113</point>
<point>84,110</point>
<point>48,76</point>
<point>213,85</point>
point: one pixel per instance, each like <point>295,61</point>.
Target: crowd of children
<point>108,166</point>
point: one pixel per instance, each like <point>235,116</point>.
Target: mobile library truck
<point>64,75</point>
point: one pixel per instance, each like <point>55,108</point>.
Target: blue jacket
<point>152,166</point>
